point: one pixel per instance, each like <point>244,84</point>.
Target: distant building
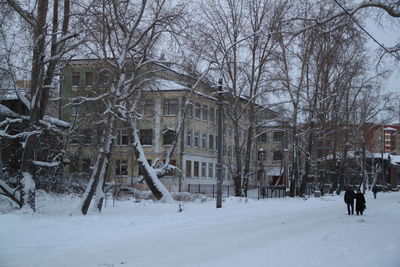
<point>383,138</point>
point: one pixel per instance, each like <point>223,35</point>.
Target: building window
<point>262,138</point>
<point>169,137</point>
<point>203,170</point>
<point>277,155</point>
<point>204,141</point>
<point>278,136</point>
<point>103,78</point>
<point>121,167</point>
<point>189,138</point>
<point>196,140</point>
<point>146,137</point>
<point>196,169</point>
<point>212,114</point>
<point>122,137</point>
<point>188,168</point>
<point>197,111</point>
<point>170,107</point>
<point>148,107</point>
<point>210,170</point>
<point>189,110</point>
<point>86,165</point>
<point>205,113</point>
<point>76,76</point>
<point>89,79</point>
<point>210,141</point>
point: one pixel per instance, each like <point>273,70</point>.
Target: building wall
<point>196,159</point>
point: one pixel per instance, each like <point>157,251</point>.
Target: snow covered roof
<point>270,123</point>
<point>168,85</point>
<point>352,154</point>
<point>390,129</point>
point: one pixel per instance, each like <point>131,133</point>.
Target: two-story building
<point>161,107</point>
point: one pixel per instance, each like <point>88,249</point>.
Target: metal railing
<point>228,190</point>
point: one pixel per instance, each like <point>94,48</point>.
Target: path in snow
<point>264,233</point>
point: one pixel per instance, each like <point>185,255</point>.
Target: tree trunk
<point>97,179</point>
<point>237,178</point>
<point>158,189</point>
<point>249,143</point>
<point>304,180</point>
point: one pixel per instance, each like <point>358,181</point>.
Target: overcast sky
<point>388,35</point>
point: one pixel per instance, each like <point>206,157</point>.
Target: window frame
<point>168,137</point>
<point>188,166</point>
<point>148,107</point>
<point>196,140</point>
<point>263,138</point>
<point>280,137</point>
<point>89,77</point>
<point>170,109</point>
<point>76,74</point>
<point>189,135</point>
<point>210,170</point>
<point>121,167</point>
<point>104,78</point>
<point>122,135</point>
<point>212,115</point>
<point>203,169</point>
<point>189,110</point>
<point>204,112</point>
<point>197,111</point>
<point>204,141</point>
<point>211,142</point>
<point>196,169</point>
<point>142,136</point>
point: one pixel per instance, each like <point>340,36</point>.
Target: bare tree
<point>123,36</point>
<point>48,26</point>
<point>240,38</point>
<point>324,90</point>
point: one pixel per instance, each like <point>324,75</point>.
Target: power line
<point>364,30</point>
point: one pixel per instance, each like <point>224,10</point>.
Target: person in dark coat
<point>360,202</point>
<point>375,190</point>
<point>349,199</point>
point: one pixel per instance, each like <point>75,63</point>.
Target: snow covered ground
<point>270,232</point>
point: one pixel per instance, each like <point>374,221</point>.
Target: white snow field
<point>270,232</point>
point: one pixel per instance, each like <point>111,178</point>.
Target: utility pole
<point>220,147</point>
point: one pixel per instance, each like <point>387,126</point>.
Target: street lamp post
<point>220,147</point>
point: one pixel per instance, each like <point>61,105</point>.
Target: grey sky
<point>387,34</point>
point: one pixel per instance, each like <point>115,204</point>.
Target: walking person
<point>360,202</point>
<point>349,200</point>
<point>375,190</point>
